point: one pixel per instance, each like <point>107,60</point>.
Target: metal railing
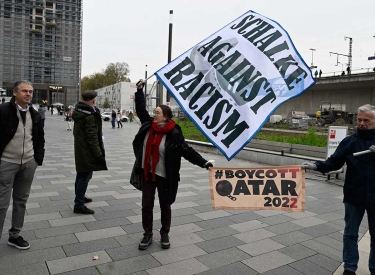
<point>356,71</point>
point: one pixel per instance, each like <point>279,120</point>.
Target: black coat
<point>359,186</point>
<point>9,123</point>
<point>175,148</point>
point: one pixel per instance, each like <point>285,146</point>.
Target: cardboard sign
<point>264,188</point>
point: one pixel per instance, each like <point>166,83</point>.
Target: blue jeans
<point>82,181</point>
<point>113,121</point>
<point>353,217</point>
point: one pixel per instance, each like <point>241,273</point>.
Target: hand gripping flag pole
<point>362,153</point>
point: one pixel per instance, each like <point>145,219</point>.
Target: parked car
<point>106,116</point>
<point>124,118</point>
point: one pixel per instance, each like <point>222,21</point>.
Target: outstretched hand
<point>208,165</point>
<point>372,148</point>
<point>308,166</point>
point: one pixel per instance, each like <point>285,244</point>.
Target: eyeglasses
<point>27,91</point>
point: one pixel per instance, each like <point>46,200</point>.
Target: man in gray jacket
<point>21,151</point>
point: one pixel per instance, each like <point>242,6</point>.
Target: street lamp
<point>372,57</point>
<point>312,59</point>
<point>146,88</point>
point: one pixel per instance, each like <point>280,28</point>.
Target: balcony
<point>34,30</point>
<point>51,23</point>
<point>37,21</point>
<point>36,3</point>
<point>50,16</point>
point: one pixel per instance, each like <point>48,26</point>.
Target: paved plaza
<point>203,240</point>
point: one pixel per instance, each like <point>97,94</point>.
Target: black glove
<point>101,160</point>
<point>208,165</point>
<point>140,84</point>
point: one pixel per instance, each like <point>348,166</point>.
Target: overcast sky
<point>136,31</point>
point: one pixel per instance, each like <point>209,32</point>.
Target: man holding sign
<point>359,186</point>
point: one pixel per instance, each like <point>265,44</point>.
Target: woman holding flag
<point>158,148</point>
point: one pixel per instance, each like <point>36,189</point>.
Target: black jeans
<point>82,181</point>
<point>148,199</point>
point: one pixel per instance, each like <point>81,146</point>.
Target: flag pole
<point>168,96</point>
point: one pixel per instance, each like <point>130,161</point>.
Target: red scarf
<point>152,146</point>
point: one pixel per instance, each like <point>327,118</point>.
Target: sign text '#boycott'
<point>261,178</point>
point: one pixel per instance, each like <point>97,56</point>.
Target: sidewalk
<point>203,240</point>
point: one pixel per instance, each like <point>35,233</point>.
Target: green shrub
<point>310,138</point>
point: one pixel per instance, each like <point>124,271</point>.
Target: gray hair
<point>367,108</point>
<point>16,85</point>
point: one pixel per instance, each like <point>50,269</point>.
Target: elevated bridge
<point>352,90</point>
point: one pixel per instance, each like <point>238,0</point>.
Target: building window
<point>49,5</point>
<point>18,9</point>
<point>47,71</point>
<point>39,12</point>
<point>7,11</point>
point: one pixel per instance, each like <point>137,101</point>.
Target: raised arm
<point>140,103</point>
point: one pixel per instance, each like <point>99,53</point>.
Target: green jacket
<point>88,142</point>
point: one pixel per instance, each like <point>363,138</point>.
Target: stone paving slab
<point>178,254</point>
<point>77,262</point>
<point>268,261</point>
<point>100,234</point>
<point>128,266</point>
<point>223,257</point>
<point>91,246</point>
<point>236,268</point>
<point>203,240</point>
<point>186,267</point>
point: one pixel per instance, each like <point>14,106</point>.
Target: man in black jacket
<point>88,148</point>
<point>359,186</point>
<point>21,151</point>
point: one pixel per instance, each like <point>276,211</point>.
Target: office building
<point>120,96</point>
<point>40,41</point>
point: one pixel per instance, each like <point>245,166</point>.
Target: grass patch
<point>310,139</point>
<point>190,131</point>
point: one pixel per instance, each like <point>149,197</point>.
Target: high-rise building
<point>41,41</point>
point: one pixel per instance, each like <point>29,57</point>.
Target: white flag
<point>231,82</point>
